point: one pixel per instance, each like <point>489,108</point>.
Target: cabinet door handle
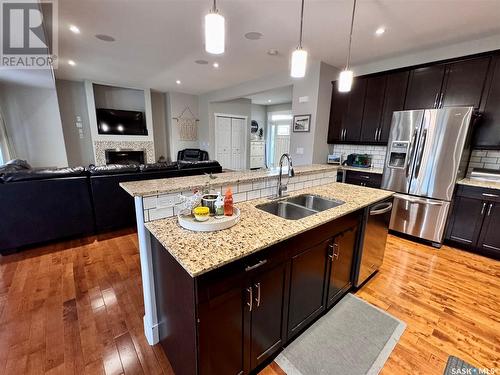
<point>490,195</point>
<point>257,265</point>
<point>489,209</point>
<point>258,294</point>
<point>345,133</point>
<point>376,134</point>
<point>482,209</point>
<point>250,299</point>
<point>441,100</point>
<point>336,250</point>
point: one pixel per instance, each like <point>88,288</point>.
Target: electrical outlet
<point>79,125</point>
<point>300,151</point>
<point>303,99</point>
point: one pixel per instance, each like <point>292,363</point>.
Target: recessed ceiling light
<point>178,82</point>
<point>216,65</point>
<point>105,38</point>
<point>74,29</point>
<point>253,35</point>
<point>201,62</point>
<point>380,31</point>
<point>269,100</point>
<point>272,52</point>
<point>71,62</point>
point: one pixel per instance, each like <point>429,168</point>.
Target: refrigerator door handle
<point>411,151</point>
<point>415,200</point>
<point>420,153</point>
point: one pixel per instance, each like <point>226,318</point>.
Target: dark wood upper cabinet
<point>372,113</point>
<point>464,83</point>
<point>354,114</point>
<point>341,258</point>
<point>487,132</point>
<point>267,312</point>
<point>338,109</point>
<point>424,87</point>
<point>395,94</point>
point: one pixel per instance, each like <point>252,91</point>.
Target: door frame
<point>241,117</point>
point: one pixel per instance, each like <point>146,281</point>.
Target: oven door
<point>419,217</point>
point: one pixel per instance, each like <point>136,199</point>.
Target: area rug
<point>353,338</point>
<point>457,366</point>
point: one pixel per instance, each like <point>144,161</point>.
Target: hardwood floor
<point>76,308</point>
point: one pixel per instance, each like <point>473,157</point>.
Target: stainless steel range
<point>427,152</point>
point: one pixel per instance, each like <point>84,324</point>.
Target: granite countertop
<point>480,183</point>
<point>200,252</point>
<point>178,184</point>
<point>359,169</point>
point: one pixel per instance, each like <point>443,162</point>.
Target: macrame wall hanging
<point>188,125</point>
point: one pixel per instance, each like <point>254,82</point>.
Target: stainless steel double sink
<point>300,206</point>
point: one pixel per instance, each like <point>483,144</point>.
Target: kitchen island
<point>228,301</point>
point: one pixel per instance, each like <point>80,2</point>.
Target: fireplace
<point>125,156</point>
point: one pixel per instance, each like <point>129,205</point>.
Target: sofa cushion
<point>158,167</point>
<point>41,174</point>
<point>197,164</point>
<point>15,165</point>
<point>112,169</point>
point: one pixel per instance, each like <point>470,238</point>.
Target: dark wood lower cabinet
<point>341,256</point>
<point>474,220</point>
<point>307,286</point>
<point>224,353</point>
<point>489,239</point>
<point>266,314</point>
<point>234,319</point>
<point>373,180</point>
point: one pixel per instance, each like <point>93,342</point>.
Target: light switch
<point>79,125</point>
<point>79,118</point>
<point>299,151</point>
<point>303,99</point>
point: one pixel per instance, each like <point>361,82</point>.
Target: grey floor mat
<point>353,338</point>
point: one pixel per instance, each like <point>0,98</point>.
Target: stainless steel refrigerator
<point>428,151</point>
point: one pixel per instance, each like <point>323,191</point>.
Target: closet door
<point>237,137</point>
<point>224,135</point>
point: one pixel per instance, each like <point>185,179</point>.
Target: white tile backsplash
<point>484,159</point>
<point>377,152</point>
<point>166,205</point>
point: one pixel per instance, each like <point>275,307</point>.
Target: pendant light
<point>346,76</point>
<point>215,32</point>
<point>299,56</point>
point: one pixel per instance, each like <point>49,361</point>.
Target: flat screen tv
<point>119,122</point>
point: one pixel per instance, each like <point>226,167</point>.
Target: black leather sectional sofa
<point>39,205</point>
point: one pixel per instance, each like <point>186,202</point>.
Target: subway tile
<point>244,187</point>
<point>167,200</point>
<point>234,189</point>
<point>239,197</point>
<point>146,215</point>
<point>267,192</point>
<point>475,159</point>
<point>494,154</point>
<point>160,213</point>
<point>307,184</point>
<point>149,202</point>
<point>492,166</point>
<point>258,185</point>
<point>476,165</point>
<point>299,186</point>
<point>478,153</point>
<point>489,160</point>
<point>254,194</point>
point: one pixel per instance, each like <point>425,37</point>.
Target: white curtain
<point>6,150</point>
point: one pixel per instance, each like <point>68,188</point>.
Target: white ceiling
<point>157,41</point>
<point>277,96</point>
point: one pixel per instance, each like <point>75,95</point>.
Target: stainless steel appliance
<point>376,227</point>
<point>427,152</point>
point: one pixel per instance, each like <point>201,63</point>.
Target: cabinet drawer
<point>474,192</point>
<point>219,281</point>
<point>363,178</point>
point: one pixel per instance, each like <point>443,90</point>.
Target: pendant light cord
<point>301,22</point>
<point>215,6</point>
<point>350,36</point>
